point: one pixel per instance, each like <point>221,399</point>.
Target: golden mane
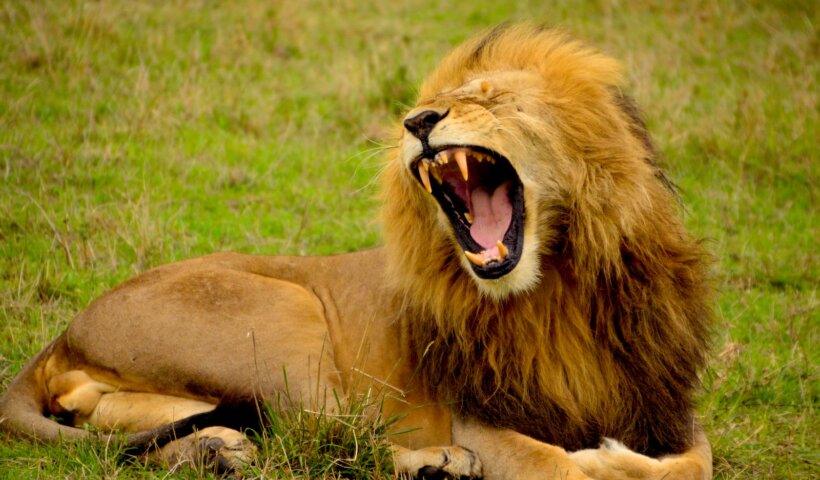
<point>621,304</point>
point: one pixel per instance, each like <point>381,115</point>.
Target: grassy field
<point>133,135</point>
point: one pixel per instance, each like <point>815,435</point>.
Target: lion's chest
<point>650,426</point>
<point>540,417</point>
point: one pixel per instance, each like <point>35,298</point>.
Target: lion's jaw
<point>471,151</point>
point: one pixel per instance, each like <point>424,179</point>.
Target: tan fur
<point>599,331</point>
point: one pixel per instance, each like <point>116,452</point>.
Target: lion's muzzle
<point>482,196</point>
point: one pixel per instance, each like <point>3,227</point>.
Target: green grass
<point>134,135</point>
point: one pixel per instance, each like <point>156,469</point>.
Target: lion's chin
<point>482,198</point>
<point>520,280</point>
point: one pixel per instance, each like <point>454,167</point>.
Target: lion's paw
<point>215,449</point>
<point>438,463</point>
<point>614,460</point>
<point>225,453</point>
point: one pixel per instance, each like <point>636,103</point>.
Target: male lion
<point>537,295</point>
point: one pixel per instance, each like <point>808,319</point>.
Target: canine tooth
<point>425,176</point>
<point>475,258</point>
<point>502,249</point>
<point>469,217</point>
<point>461,159</point>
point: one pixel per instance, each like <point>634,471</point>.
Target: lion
<point>538,308</point>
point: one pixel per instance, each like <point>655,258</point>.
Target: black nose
<point>422,124</point>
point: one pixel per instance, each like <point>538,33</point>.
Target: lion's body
<point>593,325</point>
<point>231,327</point>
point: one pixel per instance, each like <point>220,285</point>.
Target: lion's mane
<point>610,339</point>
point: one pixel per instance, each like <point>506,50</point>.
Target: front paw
<point>614,460</point>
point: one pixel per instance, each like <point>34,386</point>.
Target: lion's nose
<point>422,124</point>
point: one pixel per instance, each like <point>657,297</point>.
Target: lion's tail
<point>23,407</point>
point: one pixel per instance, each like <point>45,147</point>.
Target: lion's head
<point>515,131</point>
<point>538,246</point>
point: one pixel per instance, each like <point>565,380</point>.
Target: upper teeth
<point>461,159</point>
<point>427,166</point>
<point>424,168</point>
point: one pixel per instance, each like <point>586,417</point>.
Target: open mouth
<point>482,196</point>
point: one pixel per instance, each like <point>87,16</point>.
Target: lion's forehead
<point>486,89</point>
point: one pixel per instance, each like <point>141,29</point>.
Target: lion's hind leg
<point>89,402</point>
<point>217,449</point>
<point>75,393</point>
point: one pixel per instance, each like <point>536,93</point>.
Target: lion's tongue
<point>492,214</point>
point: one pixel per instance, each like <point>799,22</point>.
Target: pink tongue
<point>491,215</point>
